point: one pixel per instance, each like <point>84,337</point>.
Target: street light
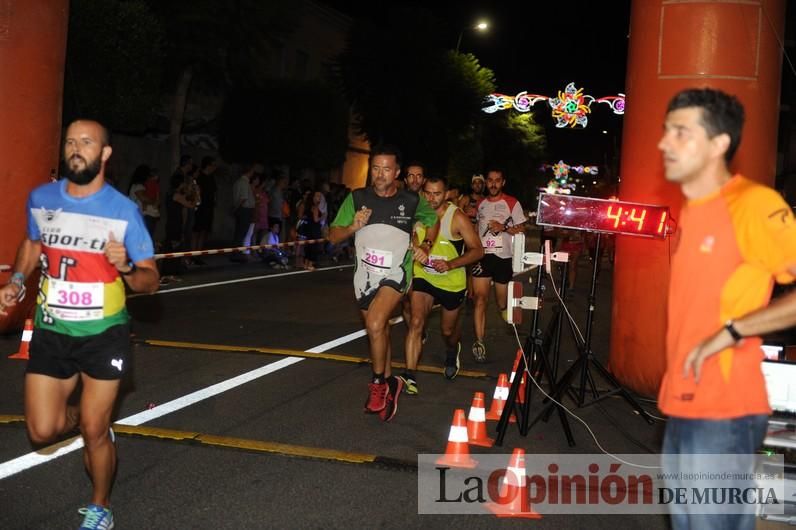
<point>480,26</point>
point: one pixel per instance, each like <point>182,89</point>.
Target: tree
<point>114,59</point>
<point>515,142</point>
<point>406,88</point>
<point>219,44</point>
<point>300,123</point>
<point>470,82</point>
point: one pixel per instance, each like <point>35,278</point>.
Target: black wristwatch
<point>133,268</point>
<point>730,327</point>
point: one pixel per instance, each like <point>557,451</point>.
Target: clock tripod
<point>597,216</point>
<point>587,360</point>
<point>540,364</point>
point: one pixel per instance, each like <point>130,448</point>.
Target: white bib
<point>429,267</point>
<point>75,301</point>
<point>377,261</point>
<point>492,243</point>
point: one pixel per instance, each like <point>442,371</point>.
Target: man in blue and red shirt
<point>90,241</point>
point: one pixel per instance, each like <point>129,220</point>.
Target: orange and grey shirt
<point>732,246</point>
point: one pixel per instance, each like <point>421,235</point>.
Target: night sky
<point>539,47</point>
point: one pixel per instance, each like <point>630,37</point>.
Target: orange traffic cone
<point>499,400</point>
<point>476,423</point>
<point>521,392</point>
<point>513,491</point>
<point>24,344</point>
<point>457,454</point>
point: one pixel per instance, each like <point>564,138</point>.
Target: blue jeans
<point>685,437</point>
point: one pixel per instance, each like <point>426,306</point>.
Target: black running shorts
<point>450,300</point>
<point>104,356</point>
<point>491,266</point>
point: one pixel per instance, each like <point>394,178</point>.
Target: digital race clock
<point>600,215</point>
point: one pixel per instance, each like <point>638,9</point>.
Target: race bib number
<point>429,267</point>
<point>492,243</point>
<point>377,261</point>
<point>75,301</point>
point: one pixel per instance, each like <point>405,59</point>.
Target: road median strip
<point>246,444</point>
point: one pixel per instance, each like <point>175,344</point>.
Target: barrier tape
<point>6,268</point>
<point>235,249</point>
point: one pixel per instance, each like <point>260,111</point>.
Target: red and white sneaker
<point>377,397</point>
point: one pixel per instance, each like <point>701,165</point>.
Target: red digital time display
<point>600,215</point>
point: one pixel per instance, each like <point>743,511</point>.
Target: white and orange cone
<point>513,491</point>
<point>457,453</point>
<point>476,423</point>
<point>24,344</point>
<point>499,400</point>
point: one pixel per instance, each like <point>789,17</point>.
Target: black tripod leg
<point>523,372</point>
<point>547,371</point>
<point>592,385</point>
<point>624,393</point>
<point>508,409</point>
<point>511,401</point>
<point>562,416</point>
<point>559,316</point>
<point>559,391</point>
<point>556,325</point>
<point>523,412</point>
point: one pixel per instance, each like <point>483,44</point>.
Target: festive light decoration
<point>562,169</point>
<point>561,183</point>
<point>555,187</point>
<point>570,108</point>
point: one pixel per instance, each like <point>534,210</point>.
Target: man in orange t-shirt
<point>736,237</point>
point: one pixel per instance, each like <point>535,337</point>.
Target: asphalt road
<point>300,402</point>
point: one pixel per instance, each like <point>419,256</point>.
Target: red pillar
<point>32,56</point>
<point>677,44</point>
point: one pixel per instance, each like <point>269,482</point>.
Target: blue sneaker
<point>96,518</point>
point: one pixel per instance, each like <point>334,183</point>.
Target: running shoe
<point>377,397</point>
<point>410,385</point>
<point>96,518</point>
<point>479,351</point>
<point>452,363</point>
<point>395,385</point>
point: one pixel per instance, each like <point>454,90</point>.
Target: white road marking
<point>70,445</point>
<point>237,280</point>
<point>326,346</point>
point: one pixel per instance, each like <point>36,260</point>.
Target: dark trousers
<point>243,218</point>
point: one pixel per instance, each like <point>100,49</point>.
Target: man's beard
<point>83,176</point>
